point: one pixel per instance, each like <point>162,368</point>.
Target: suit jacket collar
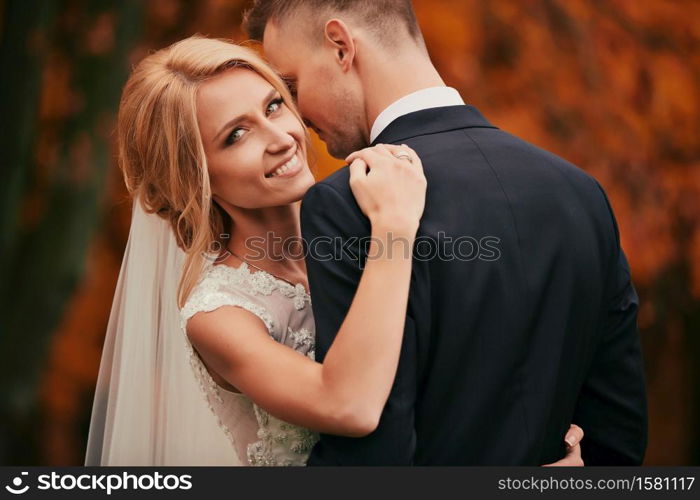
<point>431,97</point>
<point>432,121</point>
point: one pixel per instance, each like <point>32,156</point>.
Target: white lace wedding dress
<point>256,437</point>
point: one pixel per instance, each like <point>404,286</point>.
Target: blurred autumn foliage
<point>613,86</point>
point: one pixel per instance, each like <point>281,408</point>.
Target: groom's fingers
<point>574,435</point>
<point>573,449</point>
<point>572,458</point>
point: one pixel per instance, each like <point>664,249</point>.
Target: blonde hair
<point>159,145</point>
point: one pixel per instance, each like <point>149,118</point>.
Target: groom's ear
<point>338,35</point>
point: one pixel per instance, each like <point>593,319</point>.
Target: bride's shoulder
<point>222,285</point>
<point>221,277</point>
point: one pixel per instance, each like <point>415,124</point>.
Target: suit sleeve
<point>612,406</point>
<point>336,234</point>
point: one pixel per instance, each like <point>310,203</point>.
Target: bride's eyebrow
<point>241,118</point>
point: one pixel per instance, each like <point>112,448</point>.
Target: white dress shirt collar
<point>433,97</point>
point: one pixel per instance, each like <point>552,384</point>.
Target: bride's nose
<point>280,140</point>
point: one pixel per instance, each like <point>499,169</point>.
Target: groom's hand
<point>573,449</point>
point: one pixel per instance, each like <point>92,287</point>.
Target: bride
<point>209,353</point>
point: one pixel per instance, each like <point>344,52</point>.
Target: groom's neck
<point>387,79</point>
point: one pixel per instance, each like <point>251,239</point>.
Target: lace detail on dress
<point>279,443</point>
<point>277,439</point>
<point>263,283</point>
<point>206,299</point>
<point>209,389</point>
<point>303,341</point>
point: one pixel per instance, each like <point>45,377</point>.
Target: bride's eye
<point>274,105</point>
<point>234,136</point>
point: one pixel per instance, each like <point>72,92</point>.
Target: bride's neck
<point>264,230</point>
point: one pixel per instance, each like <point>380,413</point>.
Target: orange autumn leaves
<point>612,86</point>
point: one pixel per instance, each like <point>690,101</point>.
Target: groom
<point>522,315</point>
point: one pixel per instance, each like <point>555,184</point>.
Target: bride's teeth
<point>291,163</point>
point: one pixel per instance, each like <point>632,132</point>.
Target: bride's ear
<point>338,35</point>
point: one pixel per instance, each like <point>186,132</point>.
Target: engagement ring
<point>403,156</point>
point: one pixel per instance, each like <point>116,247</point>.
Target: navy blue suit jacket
<point>521,315</point>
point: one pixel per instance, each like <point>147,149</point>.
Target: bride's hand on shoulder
<point>389,185</point>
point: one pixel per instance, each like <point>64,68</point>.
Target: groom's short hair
<point>382,17</point>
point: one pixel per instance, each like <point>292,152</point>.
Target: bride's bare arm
<point>346,394</point>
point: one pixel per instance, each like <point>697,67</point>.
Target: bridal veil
<point>148,407</point>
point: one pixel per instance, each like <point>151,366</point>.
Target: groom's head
<point>332,53</point>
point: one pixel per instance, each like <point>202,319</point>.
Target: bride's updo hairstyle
<point>159,145</point>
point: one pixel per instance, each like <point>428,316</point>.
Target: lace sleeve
<point>203,300</point>
<point>233,412</point>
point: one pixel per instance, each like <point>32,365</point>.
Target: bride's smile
<point>289,168</point>
<point>255,147</point>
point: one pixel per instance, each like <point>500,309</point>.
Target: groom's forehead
<point>283,46</point>
<point>290,29</point>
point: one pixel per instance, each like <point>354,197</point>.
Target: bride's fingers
<point>403,149</point>
<point>407,157</point>
<point>373,158</point>
<point>386,151</point>
<point>414,156</point>
<point>358,169</point>
<point>355,154</point>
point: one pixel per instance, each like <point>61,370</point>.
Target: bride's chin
<point>298,192</point>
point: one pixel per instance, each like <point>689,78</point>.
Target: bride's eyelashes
<point>276,103</point>
<point>234,136</point>
<point>237,133</point>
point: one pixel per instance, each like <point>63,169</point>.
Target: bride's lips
<point>291,167</point>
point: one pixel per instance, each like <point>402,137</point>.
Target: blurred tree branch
<point>68,61</point>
